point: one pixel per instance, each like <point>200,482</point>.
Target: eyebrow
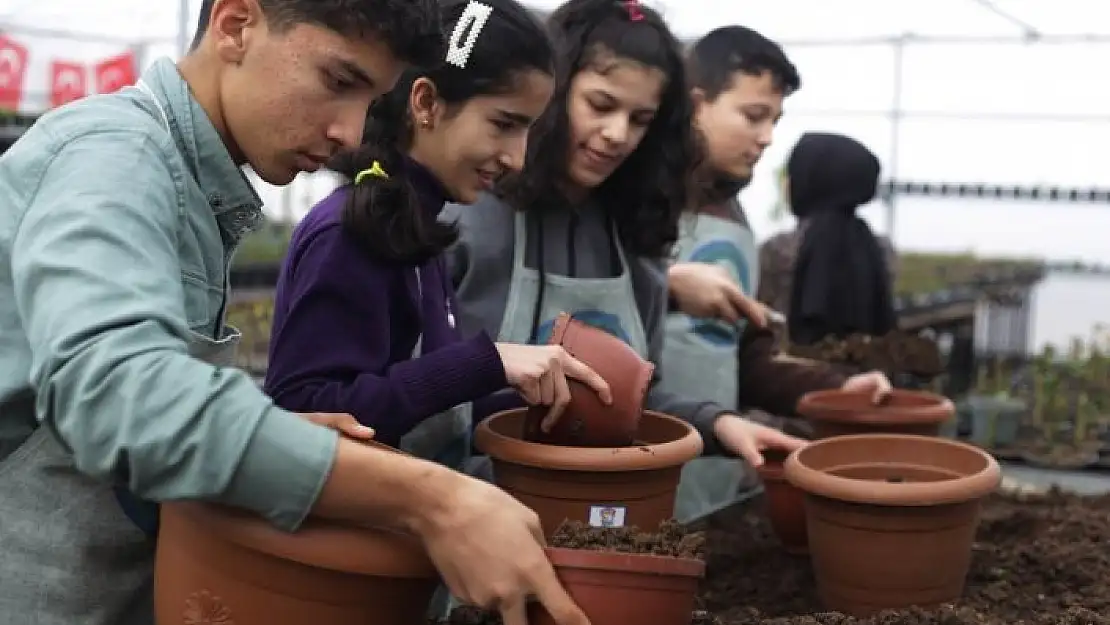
<point>516,118</point>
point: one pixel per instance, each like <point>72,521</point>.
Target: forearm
<point>700,414</point>
<point>775,384</point>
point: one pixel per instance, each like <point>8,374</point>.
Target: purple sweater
<point>345,327</point>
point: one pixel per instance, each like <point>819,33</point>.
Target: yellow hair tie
<point>375,170</point>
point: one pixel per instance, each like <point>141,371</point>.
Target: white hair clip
<point>470,23</point>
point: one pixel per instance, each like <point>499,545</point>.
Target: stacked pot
<point>885,508</point>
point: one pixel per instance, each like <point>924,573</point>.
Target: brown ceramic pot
<point>219,565</point>
<point>587,422</point>
<point>784,505</point>
<point>836,413</point>
<point>621,588</point>
<point>891,517</point>
<point>601,486</point>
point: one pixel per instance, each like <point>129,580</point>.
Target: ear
<point>424,102</point>
<point>232,26</point>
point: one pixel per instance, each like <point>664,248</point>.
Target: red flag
<point>67,82</point>
<point>13,68</point>
<point>115,73</point>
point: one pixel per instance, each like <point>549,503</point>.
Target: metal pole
<point>895,130</point>
<point>183,28</point>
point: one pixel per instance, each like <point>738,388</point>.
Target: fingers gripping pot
<point>587,422</point>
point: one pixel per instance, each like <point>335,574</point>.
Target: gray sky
<point>963,102</point>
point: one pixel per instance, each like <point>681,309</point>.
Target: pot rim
<point>918,494</point>
<point>816,405</point>
<point>619,562</point>
<point>318,544</point>
<point>588,459</point>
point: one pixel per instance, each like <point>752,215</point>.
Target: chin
<point>278,177</point>
<point>587,179</point>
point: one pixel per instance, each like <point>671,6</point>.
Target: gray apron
<point>700,361</point>
<point>71,556</point>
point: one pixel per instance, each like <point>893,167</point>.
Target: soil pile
<point>671,539</point>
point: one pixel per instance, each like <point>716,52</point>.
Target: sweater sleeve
<point>332,351</point>
<point>775,384</point>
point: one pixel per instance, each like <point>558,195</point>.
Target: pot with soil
<point>220,565</point>
<point>838,413</point>
<point>602,486</point>
<point>619,575</point>
<point>587,422</point>
<point>784,504</point>
<point>891,517</point>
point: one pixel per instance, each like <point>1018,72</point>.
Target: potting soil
<point>671,538</point>
<point>1037,560</point>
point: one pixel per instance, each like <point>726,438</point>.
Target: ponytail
<point>383,212</point>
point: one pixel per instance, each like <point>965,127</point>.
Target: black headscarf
<point>841,280</point>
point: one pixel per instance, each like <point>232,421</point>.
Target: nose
<point>766,132</point>
<point>346,129</point>
<point>512,157</point>
<point>615,129</point>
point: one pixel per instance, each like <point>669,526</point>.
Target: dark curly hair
<point>716,58</point>
<point>383,214</point>
<point>409,28</point>
<point>646,195</point>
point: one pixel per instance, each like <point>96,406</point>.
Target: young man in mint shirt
<point>118,217</point>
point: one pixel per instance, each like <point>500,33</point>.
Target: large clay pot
<point>891,517</point>
<point>613,486</point>
<point>784,505</point>
<point>587,422</point>
<point>219,565</point>
<point>621,588</point>
<point>836,413</point>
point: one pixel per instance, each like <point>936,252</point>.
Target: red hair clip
<point>633,8</point>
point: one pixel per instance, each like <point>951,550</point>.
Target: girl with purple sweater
<point>364,319</point>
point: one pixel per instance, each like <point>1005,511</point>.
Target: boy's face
<point>290,99</point>
<point>737,125</point>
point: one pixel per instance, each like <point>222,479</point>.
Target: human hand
<point>539,373</point>
<point>341,422</point>
<point>873,382</point>
<point>748,439</point>
<point>704,290</point>
<point>489,549</point>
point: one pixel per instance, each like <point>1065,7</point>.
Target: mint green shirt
<point>118,218</point>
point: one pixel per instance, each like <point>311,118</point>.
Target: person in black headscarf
<point>841,281</point>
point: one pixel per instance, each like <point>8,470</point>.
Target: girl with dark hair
<point>587,225</point>
<point>365,317</point>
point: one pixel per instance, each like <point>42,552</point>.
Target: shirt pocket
<point>202,302</point>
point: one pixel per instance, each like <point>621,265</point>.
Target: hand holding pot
<point>703,290</point>
<point>873,382</point>
<point>489,548</point>
<point>748,439</point>
<point>341,422</point>
<point>539,373</point>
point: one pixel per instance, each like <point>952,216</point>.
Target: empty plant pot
<point>587,422</point>
<point>622,588</point>
<point>613,486</point>
<point>891,517</point>
<point>837,413</point>
<point>222,566</point>
<point>784,504</point>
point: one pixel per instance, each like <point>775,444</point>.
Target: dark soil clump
<point>671,539</point>
<point>1038,560</point>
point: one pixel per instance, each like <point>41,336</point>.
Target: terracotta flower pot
<point>587,422</point>
<point>622,588</point>
<point>613,486</point>
<point>784,505</point>
<point>891,517</point>
<point>219,565</point>
<point>836,413</point>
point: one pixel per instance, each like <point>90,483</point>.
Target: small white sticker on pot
<point>607,516</point>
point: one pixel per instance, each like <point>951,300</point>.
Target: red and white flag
<point>13,69</point>
<point>115,73</point>
<point>68,82</point>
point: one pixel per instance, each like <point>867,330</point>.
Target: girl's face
<point>609,107</point>
<point>737,125</point>
<point>470,145</point>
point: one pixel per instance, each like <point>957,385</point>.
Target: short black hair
<point>409,28</point>
<point>383,215</point>
<point>647,193</point>
<point>716,58</point>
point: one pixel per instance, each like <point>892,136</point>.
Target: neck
<point>202,75</point>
